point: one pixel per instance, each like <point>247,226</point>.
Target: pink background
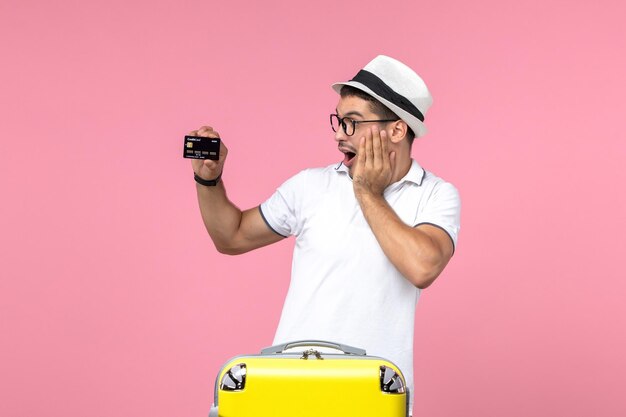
<point>113,301</point>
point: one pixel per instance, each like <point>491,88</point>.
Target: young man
<point>371,231</point>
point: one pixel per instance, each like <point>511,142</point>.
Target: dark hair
<point>378,108</point>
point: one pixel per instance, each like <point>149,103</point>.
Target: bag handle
<point>348,350</point>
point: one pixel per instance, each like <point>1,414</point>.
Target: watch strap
<point>207,183</point>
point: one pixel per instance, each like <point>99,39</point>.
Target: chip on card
<point>200,147</point>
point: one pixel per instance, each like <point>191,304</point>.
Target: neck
<point>403,165</point>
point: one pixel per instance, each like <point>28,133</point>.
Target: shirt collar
<point>415,175</point>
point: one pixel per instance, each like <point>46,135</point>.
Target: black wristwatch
<point>207,183</point>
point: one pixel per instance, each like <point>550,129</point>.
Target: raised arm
<point>232,231</point>
<point>419,253</point>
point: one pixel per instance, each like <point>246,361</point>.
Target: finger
<point>216,163</point>
<point>362,154</point>
<point>201,169</point>
<point>208,131</point>
<point>384,149</point>
<point>210,164</point>
<point>377,147</point>
<point>205,129</point>
<point>369,149</point>
<point>196,164</point>
<point>223,151</point>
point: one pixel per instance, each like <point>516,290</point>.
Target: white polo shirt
<point>343,288</point>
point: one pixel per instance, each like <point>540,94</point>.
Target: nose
<point>340,135</point>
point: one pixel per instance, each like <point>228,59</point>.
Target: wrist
<point>366,190</point>
<point>207,183</point>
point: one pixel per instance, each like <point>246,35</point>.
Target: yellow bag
<point>310,383</point>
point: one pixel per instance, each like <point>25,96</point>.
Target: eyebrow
<point>350,113</point>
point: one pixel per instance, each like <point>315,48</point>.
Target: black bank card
<point>199,147</point>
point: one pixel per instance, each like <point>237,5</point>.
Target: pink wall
<point>113,301</point>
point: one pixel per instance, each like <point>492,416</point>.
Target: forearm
<point>417,256</point>
<point>221,217</point>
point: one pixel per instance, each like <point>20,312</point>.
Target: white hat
<point>396,86</point>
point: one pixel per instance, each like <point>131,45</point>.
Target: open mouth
<point>349,156</point>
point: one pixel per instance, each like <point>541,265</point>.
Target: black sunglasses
<point>348,125</point>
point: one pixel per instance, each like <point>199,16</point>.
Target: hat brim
<point>414,123</point>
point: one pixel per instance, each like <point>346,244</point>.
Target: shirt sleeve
<point>280,211</point>
<point>443,210</point>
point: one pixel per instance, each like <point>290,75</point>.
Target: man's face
<point>356,109</point>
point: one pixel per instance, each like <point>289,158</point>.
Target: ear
<point>399,130</point>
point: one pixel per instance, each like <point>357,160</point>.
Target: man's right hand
<point>209,169</point>
<point>231,230</point>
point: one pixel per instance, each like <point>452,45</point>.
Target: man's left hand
<point>375,163</point>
